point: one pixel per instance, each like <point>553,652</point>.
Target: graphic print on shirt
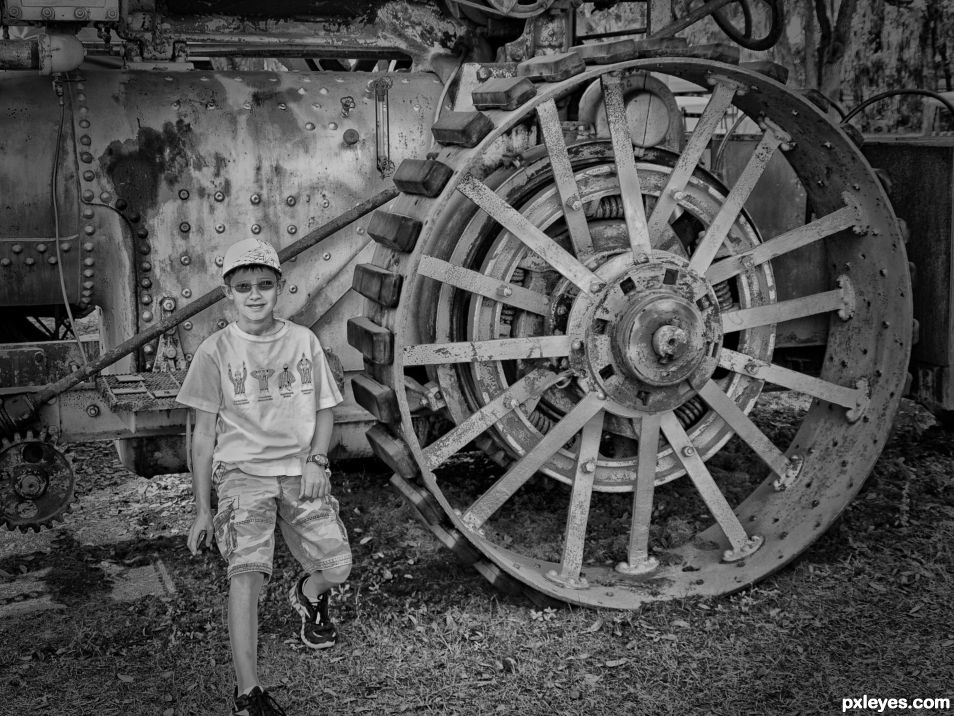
<point>285,382</point>
<point>238,384</point>
<point>262,375</point>
<point>305,371</point>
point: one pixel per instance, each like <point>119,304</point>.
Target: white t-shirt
<point>265,391</point>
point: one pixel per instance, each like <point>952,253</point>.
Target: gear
<point>36,482</point>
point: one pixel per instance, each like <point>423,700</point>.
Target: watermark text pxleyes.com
<point>871,703</point>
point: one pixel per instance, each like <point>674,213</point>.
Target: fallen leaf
<point>579,657</point>
<point>125,679</point>
<point>595,626</point>
<point>680,624</point>
<point>365,539</point>
<point>613,663</point>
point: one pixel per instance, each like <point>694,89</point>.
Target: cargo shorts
<point>244,524</point>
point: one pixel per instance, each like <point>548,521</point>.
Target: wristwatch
<point>319,459</point>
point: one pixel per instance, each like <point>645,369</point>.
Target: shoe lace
<point>266,705</point>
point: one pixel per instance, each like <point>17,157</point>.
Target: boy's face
<point>254,293</point>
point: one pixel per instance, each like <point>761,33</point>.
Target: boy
<point>263,393</point>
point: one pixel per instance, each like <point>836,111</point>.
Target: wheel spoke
<point>832,223</point>
<point>630,190</point>
<point>718,506</point>
<point>689,159</point>
<point>638,555</point>
<point>855,399</point>
<point>475,282</point>
<point>528,234</point>
<point>840,300</point>
<point>533,460</point>
<point>528,388</point>
<point>497,350</point>
<point>736,419</point>
<point>719,228</point>
<point>577,516</point>
<point>565,180</point>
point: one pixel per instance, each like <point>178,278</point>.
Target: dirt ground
<point>867,611</point>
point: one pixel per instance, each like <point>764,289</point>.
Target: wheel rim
<point>806,484</point>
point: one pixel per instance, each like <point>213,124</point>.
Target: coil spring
<point>540,421</point>
<point>610,207</point>
<point>690,412</point>
<point>724,295</point>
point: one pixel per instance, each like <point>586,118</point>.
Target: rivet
<point>84,301</point>
<point>219,196</point>
<point>351,136</point>
<point>282,106</point>
<point>85,140</point>
<point>51,260</point>
<point>168,304</point>
<point>89,229</point>
<point>16,248</point>
<point>105,197</point>
<point>290,200</point>
<point>187,325</point>
<point>246,105</point>
<point>92,411</point>
<point>88,285</point>
<point>600,395</point>
<point>256,229</point>
<point>183,194</point>
<point>144,248</point>
<point>145,266</point>
<point>219,260</point>
<point>360,229</point>
<point>589,466</point>
<point>255,199</point>
<point>88,195</point>
<point>187,293</point>
<point>87,292</point>
<point>89,261</point>
<point>65,246</point>
<point>146,283</point>
<point>293,289</point>
<point>86,157</point>
<point>185,260</point>
<point>210,104</point>
<point>188,356</point>
<point>326,256</point>
<point>121,204</point>
<point>325,203</point>
<point>185,227</point>
<point>88,175</point>
<point>332,125</point>
<point>688,451</point>
<point>5,261</point>
<point>41,248</point>
<point>220,228</point>
<point>597,286</point>
<point>142,233</point>
<point>310,126</point>
<point>87,212</point>
<point>88,246</point>
<point>29,262</point>
<point>145,299</point>
<point>292,229</point>
<point>80,13</point>
<point>323,90</point>
<point>135,217</point>
<point>88,273</point>
<point>148,350</point>
<point>221,323</point>
<point>84,124</point>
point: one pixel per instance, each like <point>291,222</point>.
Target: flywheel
<point>603,319</point>
<point>36,482</point>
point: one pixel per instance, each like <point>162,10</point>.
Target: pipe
<point>25,406</point>
<point>49,53</point>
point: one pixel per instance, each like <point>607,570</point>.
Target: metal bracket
<point>847,309</point>
<point>751,546</point>
<point>381,86</point>
<point>783,482</point>
<point>425,396</point>
<point>861,404</point>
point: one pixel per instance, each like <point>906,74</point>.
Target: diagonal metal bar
<point>533,460</point>
<point>832,223</point>
<point>571,561</point>
<point>715,109</point>
<point>851,398</point>
<point>629,187</point>
<point>729,211</point>
<point>638,556</point>
<point>530,387</point>
<point>736,419</point>
<point>718,506</point>
<point>742,318</point>
<point>475,282</point>
<point>496,350</point>
<point>528,234</point>
<point>565,180</point>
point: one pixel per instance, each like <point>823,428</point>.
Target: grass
<point>866,611</point>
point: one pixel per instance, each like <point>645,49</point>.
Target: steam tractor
<point>511,235</point>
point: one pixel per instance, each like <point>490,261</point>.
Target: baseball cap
<point>250,252</point>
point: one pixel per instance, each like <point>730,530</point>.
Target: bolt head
<point>688,451</point>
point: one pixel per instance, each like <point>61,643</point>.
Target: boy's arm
<point>203,441</point>
<point>315,480</point>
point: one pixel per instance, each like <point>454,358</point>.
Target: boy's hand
<point>315,482</point>
<point>201,531</point>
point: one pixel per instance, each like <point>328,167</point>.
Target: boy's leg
<point>318,583</point>
<point>244,590</point>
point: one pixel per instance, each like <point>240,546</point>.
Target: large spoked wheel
<point>607,318</point>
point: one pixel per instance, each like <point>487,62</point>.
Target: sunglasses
<point>246,286</point>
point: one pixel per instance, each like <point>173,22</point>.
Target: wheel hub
<point>649,338</point>
<point>30,484</point>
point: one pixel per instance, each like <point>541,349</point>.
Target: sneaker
<point>317,630</point>
<point>256,703</point>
